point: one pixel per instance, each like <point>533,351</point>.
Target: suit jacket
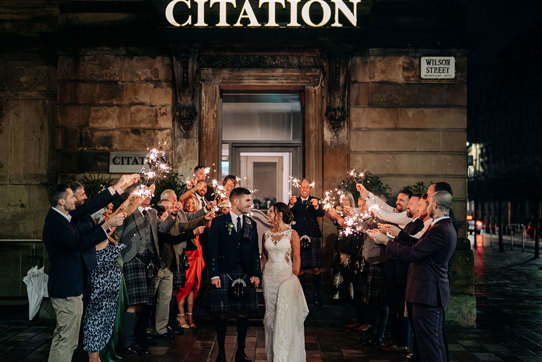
<point>132,230</point>
<point>305,217</point>
<point>82,219</point>
<point>227,246</point>
<point>427,281</point>
<point>65,244</point>
<point>405,238</point>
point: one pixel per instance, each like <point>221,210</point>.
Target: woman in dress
<point>192,280</point>
<point>101,310</point>
<point>285,304</point>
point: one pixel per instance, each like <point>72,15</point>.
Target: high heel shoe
<point>182,321</point>
<point>191,321</point>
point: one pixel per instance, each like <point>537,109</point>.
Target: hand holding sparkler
<point>389,229</point>
<point>199,230</point>
<point>293,200</point>
<point>362,190</point>
<point>114,221</point>
<point>314,203</point>
<point>126,181</point>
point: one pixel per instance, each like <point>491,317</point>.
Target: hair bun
<point>288,217</point>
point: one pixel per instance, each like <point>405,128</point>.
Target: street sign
<point>127,162</point>
<point>437,67</point>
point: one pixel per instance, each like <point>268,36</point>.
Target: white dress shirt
<point>68,216</point>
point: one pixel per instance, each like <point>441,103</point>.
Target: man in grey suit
<point>428,287</point>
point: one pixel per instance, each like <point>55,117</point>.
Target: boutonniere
<point>229,226</point>
<point>247,220</point>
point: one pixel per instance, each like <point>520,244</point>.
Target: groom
<point>234,269</point>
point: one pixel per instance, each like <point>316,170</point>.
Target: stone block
<point>23,212</point>
<point>66,69</point>
<point>359,69</point>
<point>67,138</point>
<point>137,139</point>
<point>143,116</point>
<point>145,69</point>
<point>103,117</point>
<point>377,69</point>
<point>67,92</point>
<point>410,69</point>
<point>73,115</point>
<point>450,118</point>
<point>359,94</point>
<point>405,140</point>
<point>100,67</point>
<point>411,163</point>
<point>93,139</point>
<point>456,94</point>
<point>164,117</point>
<point>185,155</point>
<point>382,94</point>
<point>81,162</point>
<point>100,93</point>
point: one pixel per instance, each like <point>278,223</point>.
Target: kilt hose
<point>373,290</point>
<point>139,286</point>
<point>311,256</point>
<point>221,301</point>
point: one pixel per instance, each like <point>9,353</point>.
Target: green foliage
<point>94,183</point>
<point>172,181</point>
<point>371,182</point>
<point>419,188</point>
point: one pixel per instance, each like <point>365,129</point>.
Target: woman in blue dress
<point>100,313</point>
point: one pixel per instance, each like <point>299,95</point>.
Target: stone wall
<point>406,129</point>
<point>110,100</point>
<point>27,115</point>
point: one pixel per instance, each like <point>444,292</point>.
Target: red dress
<point>193,274</point>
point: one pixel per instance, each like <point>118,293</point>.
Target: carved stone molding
<point>184,63</point>
<point>337,110</point>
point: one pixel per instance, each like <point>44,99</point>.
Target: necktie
<point>239,224</point>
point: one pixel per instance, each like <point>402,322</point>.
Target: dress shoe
<point>388,346</point>
<point>241,357</point>
<point>398,349</point>
<point>149,341</point>
<point>175,329</point>
<point>221,356</point>
<point>138,350</point>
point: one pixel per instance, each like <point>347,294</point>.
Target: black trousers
<point>427,322</point>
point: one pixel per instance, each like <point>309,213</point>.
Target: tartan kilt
<point>373,290</point>
<point>311,257</point>
<point>140,289</point>
<point>220,297</point>
<point>178,279</point>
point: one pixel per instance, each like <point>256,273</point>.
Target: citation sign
<point>437,68</point>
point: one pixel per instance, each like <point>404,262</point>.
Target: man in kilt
<point>141,261</point>
<point>234,269</point>
<point>306,210</point>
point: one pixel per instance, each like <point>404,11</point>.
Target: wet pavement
<point>509,297</point>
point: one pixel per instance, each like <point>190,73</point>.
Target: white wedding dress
<point>285,305</point>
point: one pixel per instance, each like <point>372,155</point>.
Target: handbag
<point>184,263</point>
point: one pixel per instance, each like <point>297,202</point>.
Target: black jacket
<point>305,217</point>
<point>81,218</point>
<point>228,247</point>
<point>65,245</point>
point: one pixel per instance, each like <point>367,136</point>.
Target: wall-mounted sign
<point>242,13</point>
<point>437,67</point>
<point>127,162</point>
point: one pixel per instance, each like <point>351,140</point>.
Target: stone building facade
<point>82,79</point>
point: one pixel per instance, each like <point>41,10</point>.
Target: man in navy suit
<point>65,245</point>
<point>428,287</point>
<point>234,266</point>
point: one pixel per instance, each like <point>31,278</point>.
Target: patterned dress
<point>100,313</point>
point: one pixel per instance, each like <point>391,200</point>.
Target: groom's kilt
<point>221,302</point>
<point>311,256</point>
<point>139,287</point>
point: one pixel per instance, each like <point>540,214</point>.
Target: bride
<point>285,305</point>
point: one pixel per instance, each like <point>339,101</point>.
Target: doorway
<point>261,142</point>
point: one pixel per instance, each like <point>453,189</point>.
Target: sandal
<point>191,321</point>
<point>182,321</point>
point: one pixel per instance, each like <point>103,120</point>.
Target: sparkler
<point>156,166</point>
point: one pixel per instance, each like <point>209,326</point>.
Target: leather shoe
<point>138,350</point>
<point>241,357</point>
<point>221,356</point>
<point>175,330</point>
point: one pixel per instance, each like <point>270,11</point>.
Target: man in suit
<point>428,287</point>
<point>198,176</point>
<point>306,210</point>
<point>65,245</point>
<point>141,232</point>
<point>81,216</point>
<point>234,263</point>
